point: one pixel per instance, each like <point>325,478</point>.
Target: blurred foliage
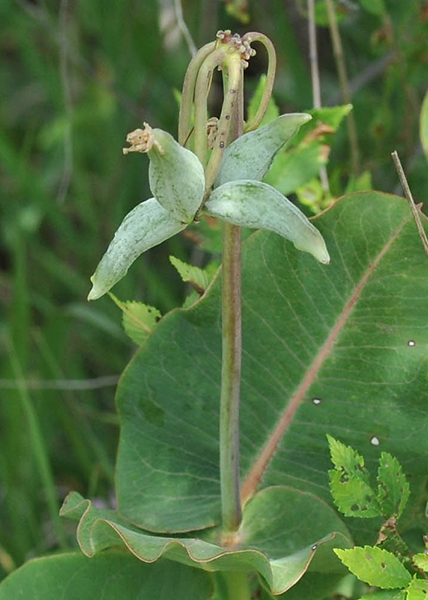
<point>76,76</point>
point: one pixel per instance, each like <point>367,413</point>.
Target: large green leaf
<point>107,576</point>
<point>268,540</point>
<point>339,349</point>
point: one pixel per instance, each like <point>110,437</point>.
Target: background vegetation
<point>76,76</point>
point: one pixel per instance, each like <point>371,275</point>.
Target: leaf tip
<point>95,292</point>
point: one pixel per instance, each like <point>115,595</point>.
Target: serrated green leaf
<point>421,561</point>
<point>138,319</point>
<point>346,459</point>
<point>295,168</point>
<point>352,496</point>
<point>267,541</point>
<point>375,566</point>
<point>393,488</point>
<point>272,112</point>
<point>112,575</point>
<point>191,274</point>
<point>386,595</point>
<point>350,482</point>
<point>418,589</point>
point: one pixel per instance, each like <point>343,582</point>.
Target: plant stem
<point>189,89</point>
<point>254,36</point>
<point>232,351</point>
<point>315,75</point>
<point>344,84</point>
<point>238,586</point>
<point>230,379</point>
<point>409,197</point>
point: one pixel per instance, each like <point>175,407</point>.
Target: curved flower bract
<point>251,155</point>
<point>258,205</point>
<point>147,225</point>
<point>176,175</point>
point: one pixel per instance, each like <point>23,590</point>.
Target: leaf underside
<point>338,349</point>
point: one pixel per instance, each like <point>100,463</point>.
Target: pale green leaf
<point>375,566</point>
<point>108,576</point>
<point>421,561</point>
<point>191,274</point>
<point>251,155</point>
<point>267,542</point>
<point>176,177</point>
<point>393,488</point>
<point>138,319</point>
<point>258,205</point>
<point>147,225</point>
<point>418,589</point>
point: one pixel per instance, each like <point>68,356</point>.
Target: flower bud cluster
<point>236,44</point>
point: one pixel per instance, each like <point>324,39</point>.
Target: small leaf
<point>138,319</point>
<point>251,155</point>
<point>349,482</point>
<point>393,490</point>
<point>188,273</point>
<point>418,589</point>
<point>421,561</point>
<point>147,225</point>
<point>375,566</point>
<point>260,206</point>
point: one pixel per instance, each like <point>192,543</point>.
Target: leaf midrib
<point>261,463</point>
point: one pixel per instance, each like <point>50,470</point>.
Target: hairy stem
<point>232,349</point>
<point>230,379</point>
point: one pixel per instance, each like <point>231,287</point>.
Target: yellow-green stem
<point>203,84</point>
<point>254,36</point>
<point>238,585</point>
<point>232,351</point>
<point>232,102</point>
